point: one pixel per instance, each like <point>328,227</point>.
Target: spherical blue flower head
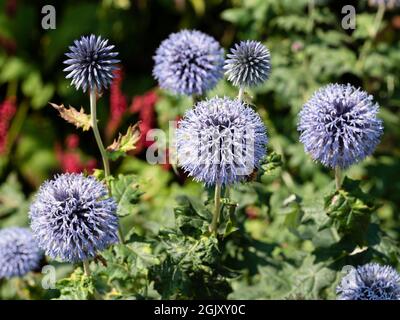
<point>220,141</point>
<point>248,64</point>
<point>370,282</point>
<point>72,218</point>
<point>19,252</point>
<point>188,62</point>
<point>91,63</point>
<point>339,126</point>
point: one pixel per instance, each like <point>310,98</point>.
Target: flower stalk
<point>86,268</point>
<point>241,93</point>
<point>338,177</point>
<point>217,209</point>
<point>106,164</point>
<point>93,115</point>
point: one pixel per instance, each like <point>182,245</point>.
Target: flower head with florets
<point>72,218</point>
<point>91,63</point>
<point>188,62</point>
<point>19,252</point>
<point>339,125</point>
<point>220,141</point>
<point>370,282</point>
<point>248,64</point>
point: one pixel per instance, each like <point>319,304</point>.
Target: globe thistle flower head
<point>370,282</point>
<point>248,64</point>
<point>72,218</point>
<point>339,126</point>
<point>189,63</point>
<point>19,252</point>
<point>220,141</point>
<point>91,63</point>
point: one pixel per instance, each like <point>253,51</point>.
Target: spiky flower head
<point>72,218</point>
<point>370,282</point>
<point>19,252</point>
<point>220,141</point>
<point>248,64</point>
<point>339,126</point>
<point>188,62</point>
<point>91,63</point>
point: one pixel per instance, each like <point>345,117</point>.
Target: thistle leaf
<point>124,143</point>
<point>126,193</point>
<point>78,118</point>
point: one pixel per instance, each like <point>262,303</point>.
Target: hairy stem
<point>93,115</point>
<point>86,268</point>
<point>217,210</point>
<point>88,273</point>
<point>241,93</point>
<point>338,177</point>
<point>106,164</point>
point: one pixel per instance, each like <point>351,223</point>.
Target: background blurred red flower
<point>7,111</point>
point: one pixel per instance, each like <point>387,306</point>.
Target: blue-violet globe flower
<point>339,126</point>
<point>370,282</point>
<point>189,63</point>
<point>220,141</point>
<point>248,64</point>
<point>19,252</point>
<point>72,218</point>
<point>91,63</point>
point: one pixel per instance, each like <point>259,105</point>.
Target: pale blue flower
<point>188,62</point>
<point>19,252</point>
<point>220,141</point>
<point>339,125</point>
<point>72,218</point>
<point>370,282</point>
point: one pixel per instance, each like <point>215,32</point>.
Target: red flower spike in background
<point>118,104</point>
<point>72,141</point>
<point>7,112</point>
<point>70,158</point>
<point>144,105</point>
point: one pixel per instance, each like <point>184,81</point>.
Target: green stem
<point>17,124</point>
<point>375,29</point>
<point>195,98</point>
<point>217,201</point>
<point>12,89</point>
<point>241,93</point>
<point>338,177</point>
<point>378,20</point>
<point>86,268</point>
<point>311,9</point>
<point>120,234</point>
<point>93,114</point>
<point>106,164</point>
<point>88,273</point>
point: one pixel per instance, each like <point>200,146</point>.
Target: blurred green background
<point>309,48</point>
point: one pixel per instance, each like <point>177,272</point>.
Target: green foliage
<point>124,143</point>
<point>286,232</point>
<point>77,286</point>
<point>349,210</point>
<point>125,191</point>
<point>191,258</point>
